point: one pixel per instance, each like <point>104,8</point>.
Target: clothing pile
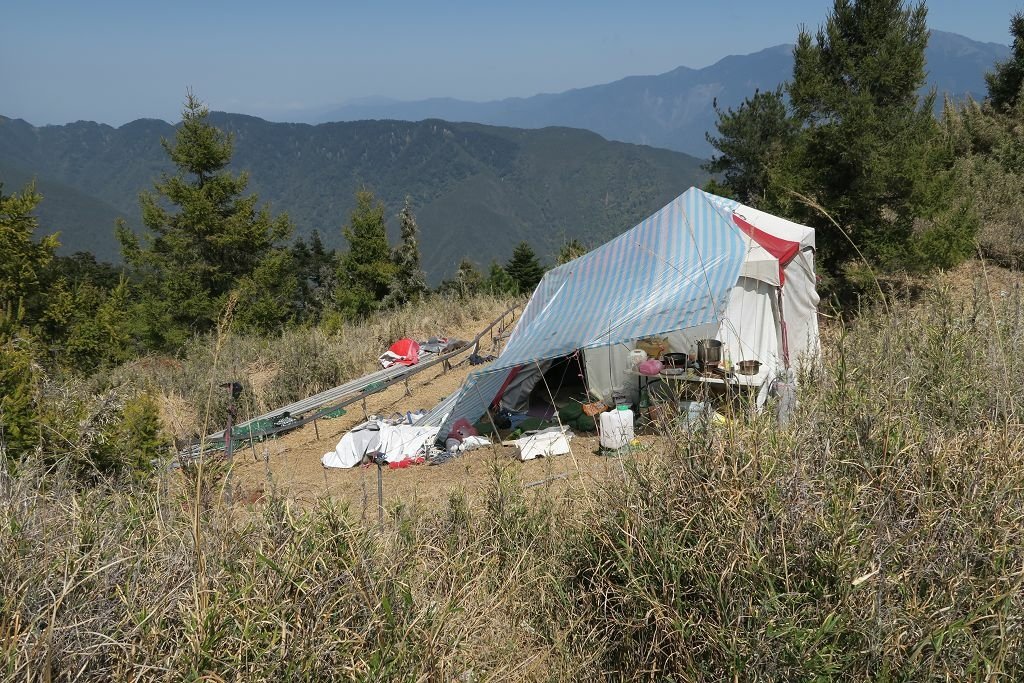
<point>399,442</point>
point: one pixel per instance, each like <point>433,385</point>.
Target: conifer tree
<point>752,141</point>
<point>19,389</point>
<point>211,240</point>
<point>524,268</point>
<point>410,282</point>
<point>22,258</point>
<point>467,281</point>
<point>865,140</point>
<point>367,270</point>
<point>1007,80</point>
<point>499,282</point>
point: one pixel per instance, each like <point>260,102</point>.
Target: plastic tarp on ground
<point>673,271</point>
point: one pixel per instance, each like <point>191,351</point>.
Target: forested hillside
<point>478,190</point>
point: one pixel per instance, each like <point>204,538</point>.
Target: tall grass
<point>879,536</point>
<point>278,369</point>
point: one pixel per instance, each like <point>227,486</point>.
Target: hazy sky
<point>115,61</point>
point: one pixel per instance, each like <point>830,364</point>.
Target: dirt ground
<point>290,465</point>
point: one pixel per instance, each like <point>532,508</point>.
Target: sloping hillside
<point>478,190</point>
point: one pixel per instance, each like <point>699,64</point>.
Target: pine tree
<point>752,141</point>
<point>410,282</point>
<point>367,271</point>
<point>1007,80</point>
<point>19,389</point>
<point>467,281</point>
<point>524,268</point>
<point>212,241</point>
<point>499,282</point>
<point>22,258</point>
<point>865,140</point>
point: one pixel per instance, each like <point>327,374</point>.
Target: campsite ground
<point>291,464</point>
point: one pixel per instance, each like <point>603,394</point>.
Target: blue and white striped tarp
<point>673,271</point>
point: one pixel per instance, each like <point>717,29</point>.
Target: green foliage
<point>89,327</point>
<point>139,435</point>
<point>468,280</point>
<point>22,258</point>
<point>499,282</point>
<point>316,268</point>
<point>1007,79</point>
<point>855,153</point>
<point>410,282</point>
<point>752,141</point>
<point>865,136</point>
<point>213,241</point>
<point>524,268</point>
<point>988,174</point>
<point>570,251</point>
<point>367,270</point>
<point>20,383</point>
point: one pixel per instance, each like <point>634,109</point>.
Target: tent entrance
<point>540,389</point>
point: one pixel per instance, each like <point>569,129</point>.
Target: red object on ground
<point>405,351</point>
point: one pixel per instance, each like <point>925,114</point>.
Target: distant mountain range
<point>671,110</point>
<point>477,190</point>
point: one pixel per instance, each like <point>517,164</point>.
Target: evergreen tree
<point>19,389</point>
<point>570,251</point>
<point>467,281</point>
<point>865,141</point>
<point>524,268</point>
<point>410,282</point>
<point>210,243</point>
<point>752,141</point>
<point>499,282</point>
<point>1007,80</point>
<point>23,260</point>
<point>367,270</point>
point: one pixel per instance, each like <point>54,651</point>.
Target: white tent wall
<point>800,309</point>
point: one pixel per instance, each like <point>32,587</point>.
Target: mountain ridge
<point>672,109</point>
<point>477,190</point>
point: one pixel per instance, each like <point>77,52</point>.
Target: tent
<point>702,267</point>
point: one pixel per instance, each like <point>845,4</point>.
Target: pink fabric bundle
<point>650,367</point>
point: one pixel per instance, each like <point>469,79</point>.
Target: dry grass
<point>880,536</point>
<point>275,371</point>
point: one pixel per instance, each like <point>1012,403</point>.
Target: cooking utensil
<point>675,360</point>
<point>748,367</point>
<point>709,351</point>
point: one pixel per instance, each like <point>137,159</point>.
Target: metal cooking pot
<point>748,367</point>
<point>675,360</point>
<point>709,351</point>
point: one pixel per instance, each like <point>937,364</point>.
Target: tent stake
<point>316,429</point>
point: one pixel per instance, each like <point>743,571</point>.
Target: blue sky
<point>117,61</point>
